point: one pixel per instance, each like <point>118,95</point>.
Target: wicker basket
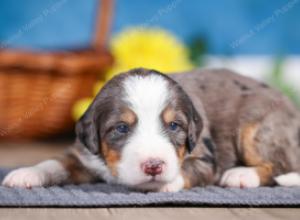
<point>38,90</point>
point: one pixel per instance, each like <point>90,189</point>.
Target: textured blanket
<point>104,195</point>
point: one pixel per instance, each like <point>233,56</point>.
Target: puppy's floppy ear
<point>87,130</point>
<point>89,125</point>
<point>194,129</point>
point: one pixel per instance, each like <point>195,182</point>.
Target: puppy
<point>164,133</point>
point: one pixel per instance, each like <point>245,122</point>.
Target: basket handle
<point>103,23</point>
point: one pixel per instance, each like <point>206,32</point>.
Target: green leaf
<point>276,79</point>
<point>197,48</point>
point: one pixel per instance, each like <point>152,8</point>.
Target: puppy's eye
<point>122,128</point>
<point>173,126</point>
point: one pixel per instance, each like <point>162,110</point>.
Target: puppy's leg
<point>241,177</point>
<point>46,173</point>
<point>267,149</point>
<point>257,170</point>
<point>289,179</point>
<point>67,169</point>
<point>176,185</point>
<point>198,171</point>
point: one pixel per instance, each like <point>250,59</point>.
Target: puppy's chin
<point>151,185</point>
<point>147,183</point>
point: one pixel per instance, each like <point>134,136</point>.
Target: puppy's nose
<point>153,167</point>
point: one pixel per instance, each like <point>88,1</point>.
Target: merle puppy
<point>155,132</point>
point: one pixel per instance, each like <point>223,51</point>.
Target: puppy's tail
<point>289,179</point>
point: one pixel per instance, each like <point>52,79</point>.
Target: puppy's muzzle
<point>153,167</point>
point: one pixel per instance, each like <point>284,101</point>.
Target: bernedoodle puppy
<point>150,131</point>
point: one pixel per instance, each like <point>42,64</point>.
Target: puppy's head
<point>142,124</point>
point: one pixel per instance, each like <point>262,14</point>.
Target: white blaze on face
<point>147,97</point>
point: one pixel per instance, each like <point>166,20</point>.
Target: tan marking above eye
<point>171,115</point>
<point>128,116</point>
<point>168,115</point>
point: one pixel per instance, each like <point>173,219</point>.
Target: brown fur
<point>128,116</point>
<point>77,172</point>
<point>111,157</point>
<point>181,151</point>
<point>168,115</point>
<point>251,156</point>
<point>187,181</point>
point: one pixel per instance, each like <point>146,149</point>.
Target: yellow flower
<point>97,87</point>
<point>80,107</point>
<point>151,48</point>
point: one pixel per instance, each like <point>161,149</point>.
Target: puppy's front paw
<point>242,177</point>
<point>174,186</point>
<point>25,177</point>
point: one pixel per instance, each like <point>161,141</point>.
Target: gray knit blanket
<point>104,195</point>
